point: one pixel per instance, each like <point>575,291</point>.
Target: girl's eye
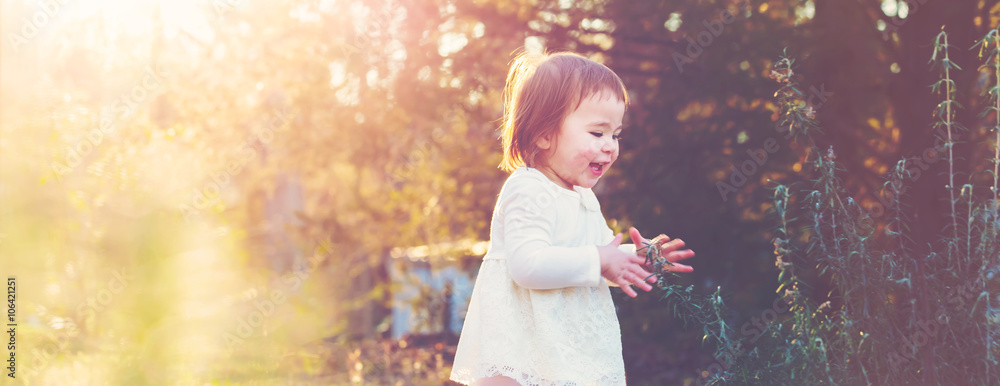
<point>617,136</point>
<point>597,134</point>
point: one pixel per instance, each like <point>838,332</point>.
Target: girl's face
<point>587,143</point>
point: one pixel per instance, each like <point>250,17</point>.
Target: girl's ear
<point>545,142</point>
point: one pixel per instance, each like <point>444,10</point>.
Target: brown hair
<point>541,90</point>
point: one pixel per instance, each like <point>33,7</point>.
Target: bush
<point>894,315</point>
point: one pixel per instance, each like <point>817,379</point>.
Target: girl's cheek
<point>594,148</point>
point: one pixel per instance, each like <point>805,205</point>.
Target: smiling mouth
<point>597,167</point>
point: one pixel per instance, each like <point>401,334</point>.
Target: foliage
<point>893,316</point>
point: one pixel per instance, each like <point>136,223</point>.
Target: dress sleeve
<point>534,263</point>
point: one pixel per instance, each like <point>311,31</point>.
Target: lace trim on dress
<point>467,377</point>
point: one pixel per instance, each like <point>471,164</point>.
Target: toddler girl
<point>540,313</point>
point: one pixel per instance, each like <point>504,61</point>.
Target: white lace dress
<point>540,312</point>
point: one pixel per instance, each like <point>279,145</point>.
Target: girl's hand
<point>622,268</point>
<point>669,249</point>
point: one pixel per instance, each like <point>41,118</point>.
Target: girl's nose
<point>609,145</point>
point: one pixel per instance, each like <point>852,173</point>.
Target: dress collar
<point>588,199</point>
<point>586,196</point>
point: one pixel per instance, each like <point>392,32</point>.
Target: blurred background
<point>276,192</point>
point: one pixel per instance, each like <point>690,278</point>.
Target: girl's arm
<point>533,261</point>
<point>529,224</point>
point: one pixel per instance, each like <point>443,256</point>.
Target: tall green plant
<point>989,214</point>
<point>945,114</point>
<point>893,315</point>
